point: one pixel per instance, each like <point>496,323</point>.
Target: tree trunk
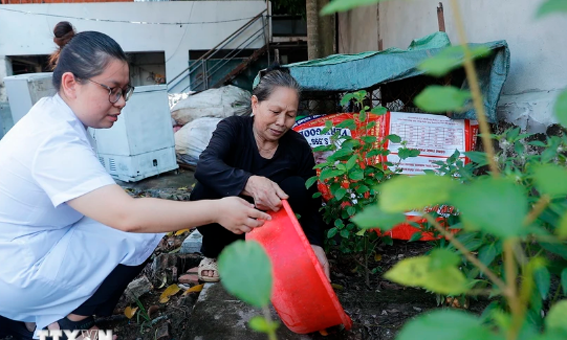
<point>320,30</point>
<point>312,14</point>
<point>326,32</point>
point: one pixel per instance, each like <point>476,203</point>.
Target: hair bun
<point>63,32</point>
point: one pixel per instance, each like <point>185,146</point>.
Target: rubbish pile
<point>195,117</point>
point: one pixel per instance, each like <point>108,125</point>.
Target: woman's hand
<point>239,216</point>
<point>267,195</point>
<point>322,257</point>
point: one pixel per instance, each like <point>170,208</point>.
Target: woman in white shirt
<point>70,238</point>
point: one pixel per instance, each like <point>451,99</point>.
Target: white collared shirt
<point>52,258</point>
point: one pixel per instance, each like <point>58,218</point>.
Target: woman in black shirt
<point>262,160</point>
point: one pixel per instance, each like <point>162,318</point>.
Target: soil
<point>378,311</point>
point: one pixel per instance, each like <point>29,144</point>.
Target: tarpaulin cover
<point>353,72</point>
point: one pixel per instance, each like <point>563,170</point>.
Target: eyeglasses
<point>114,93</point>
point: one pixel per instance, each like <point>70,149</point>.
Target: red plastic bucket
<point>302,295</point>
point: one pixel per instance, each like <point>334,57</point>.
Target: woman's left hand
<point>322,257</point>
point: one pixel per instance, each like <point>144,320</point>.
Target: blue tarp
<point>344,73</point>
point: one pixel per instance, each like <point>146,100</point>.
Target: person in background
<point>70,238</point>
<point>262,160</point>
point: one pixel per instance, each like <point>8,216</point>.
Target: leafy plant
<point>142,317</point>
<point>512,214</point>
<point>357,163</point>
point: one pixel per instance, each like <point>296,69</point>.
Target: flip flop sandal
<point>66,324</point>
<point>211,265</point>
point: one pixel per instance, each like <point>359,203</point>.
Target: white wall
<point>358,30</point>
<point>538,48</point>
<point>5,69</point>
<point>27,34</point>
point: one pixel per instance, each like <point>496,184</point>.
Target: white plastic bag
<point>193,138</point>
<point>220,103</point>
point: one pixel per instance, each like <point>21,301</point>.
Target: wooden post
<point>441,17</point>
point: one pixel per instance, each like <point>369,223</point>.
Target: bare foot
<point>209,270</point>
<point>195,270</point>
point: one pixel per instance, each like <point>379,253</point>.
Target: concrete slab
<point>219,316</point>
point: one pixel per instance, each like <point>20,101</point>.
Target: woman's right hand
<point>267,194</point>
<point>239,216</point>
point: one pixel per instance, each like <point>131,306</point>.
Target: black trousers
<point>216,237</point>
<point>102,302</point>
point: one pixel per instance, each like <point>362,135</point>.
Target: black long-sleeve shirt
<point>232,156</point>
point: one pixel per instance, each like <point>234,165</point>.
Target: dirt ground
<point>378,311</point>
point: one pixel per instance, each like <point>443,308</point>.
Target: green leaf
<point>449,59</point>
<point>488,253</point>
<point>348,123</point>
<point>416,272</point>
<point>561,103</point>
<point>387,240</point>
<point>405,153</point>
<point>322,148</point>
<point>537,143</point>
<point>332,232</point>
<point>556,317</point>
<point>351,162</point>
<point>555,248</point>
<point>321,165</point>
<point>477,157</point>
<point>350,144</point>
<point>554,334</point>
<point>340,193</point>
<point>356,174</point>
<point>351,210</point>
<point>330,173</point>
<point>341,154</point>
<point>416,236</point>
<point>344,5</point>
<point>394,138</point>
<point>246,272</point>
<point>543,281</point>
<point>442,258</point>
<point>552,6</point>
<point>414,152</point>
<point>446,325</point>
<point>345,233</point>
<point>519,148</point>
<point>347,98</point>
<point>496,206</point>
<point>362,189</point>
<point>406,193</point>
<point>339,223</point>
<point>439,99</point>
<point>564,281</point>
<point>368,139</point>
<point>372,153</point>
<point>551,179</point>
<point>373,217</point>
<point>379,110</point>
<point>317,195</point>
<point>259,324</point>
<point>310,182</point>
